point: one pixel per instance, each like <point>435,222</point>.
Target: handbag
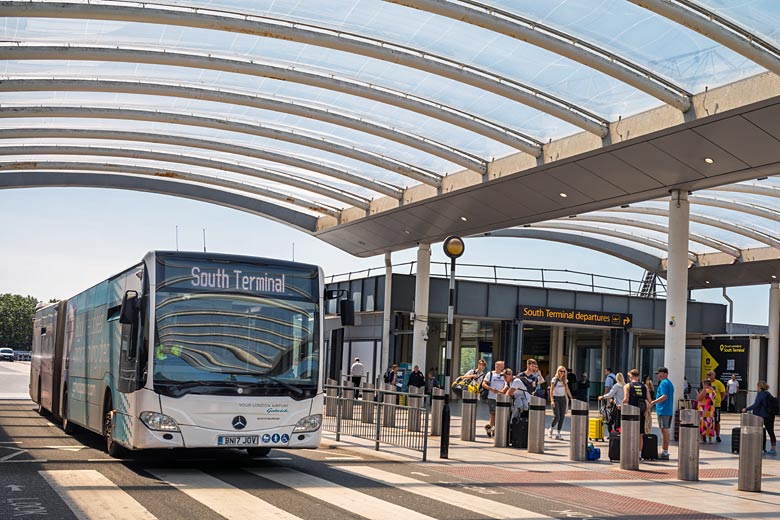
<point>593,452</point>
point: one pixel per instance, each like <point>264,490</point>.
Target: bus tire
<point>113,448</point>
<point>67,427</point>
<point>39,408</point>
<point>258,452</point>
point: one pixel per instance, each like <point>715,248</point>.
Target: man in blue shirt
<point>664,408</point>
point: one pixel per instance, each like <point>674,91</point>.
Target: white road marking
<point>345,498</point>
<point>65,448</point>
<point>459,499</point>
<point>221,497</point>
<point>16,453</point>
<point>91,496</point>
<point>418,473</point>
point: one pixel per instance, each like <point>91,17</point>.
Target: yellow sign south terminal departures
<point>604,319</point>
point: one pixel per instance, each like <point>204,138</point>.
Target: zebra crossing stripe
<point>459,499</point>
<point>342,497</point>
<point>219,496</point>
<point>92,496</point>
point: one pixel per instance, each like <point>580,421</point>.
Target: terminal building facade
<point>583,330</point>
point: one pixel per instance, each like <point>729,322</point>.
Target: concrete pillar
<point>677,289</point>
<point>422,285</point>
<point>773,348</point>
<point>387,317</point>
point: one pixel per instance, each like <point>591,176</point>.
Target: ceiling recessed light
<point>707,281</point>
<point>709,160</point>
<point>774,277</point>
<point>407,232</point>
<point>563,195</point>
<point>464,219</point>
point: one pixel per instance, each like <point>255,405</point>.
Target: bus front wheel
<point>113,448</point>
<point>258,452</point>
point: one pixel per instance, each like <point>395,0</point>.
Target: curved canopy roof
<point>379,124</point>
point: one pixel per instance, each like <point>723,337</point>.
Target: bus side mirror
<point>347,312</point>
<point>128,314</point>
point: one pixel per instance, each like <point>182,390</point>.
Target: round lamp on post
<point>453,248</point>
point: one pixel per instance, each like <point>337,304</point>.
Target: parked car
<point>6,354</point>
<point>23,355</point>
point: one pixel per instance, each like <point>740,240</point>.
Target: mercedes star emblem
<point>239,422</point>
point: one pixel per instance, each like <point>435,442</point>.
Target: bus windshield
<point>220,326</point>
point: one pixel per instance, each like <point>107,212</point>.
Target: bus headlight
<point>159,422</point>
<point>308,424</point>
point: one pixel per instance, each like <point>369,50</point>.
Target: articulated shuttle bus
<point>188,350</point>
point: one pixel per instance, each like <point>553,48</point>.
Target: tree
<point>16,320</point>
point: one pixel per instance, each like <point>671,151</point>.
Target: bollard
<point>578,445</point>
<point>367,404</point>
<point>437,405</point>
<point>415,402</point>
<point>630,437</point>
<point>688,452</point>
<point>348,400</point>
<point>536,414</point>
<point>503,413</point>
<point>331,402</point>
<point>388,411</point>
<point>468,420</point>
<point>751,441</point>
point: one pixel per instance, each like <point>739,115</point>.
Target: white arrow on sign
<point>14,487</point>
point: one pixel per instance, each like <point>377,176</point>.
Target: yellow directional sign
<point>707,362</point>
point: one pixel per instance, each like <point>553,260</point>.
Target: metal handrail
<point>547,278</point>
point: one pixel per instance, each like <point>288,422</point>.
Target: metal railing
<point>533,276</point>
<point>388,419</point>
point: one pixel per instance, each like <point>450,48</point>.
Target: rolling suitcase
<point>518,432</point>
<point>735,440</point>
<point>596,429</point>
<point>649,446</point>
<point>614,447</point>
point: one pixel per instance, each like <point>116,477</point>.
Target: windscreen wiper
<point>276,380</point>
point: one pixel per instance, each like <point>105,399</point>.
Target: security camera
<point>671,322</point>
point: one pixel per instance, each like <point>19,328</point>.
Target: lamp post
<point>453,248</point>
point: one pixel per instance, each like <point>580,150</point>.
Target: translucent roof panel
<point>378,92</point>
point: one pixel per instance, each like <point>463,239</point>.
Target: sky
<point>56,242</point>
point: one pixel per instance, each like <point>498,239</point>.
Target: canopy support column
<point>387,315</point>
<point>421,289</point>
<point>677,289</point>
<point>773,349</point>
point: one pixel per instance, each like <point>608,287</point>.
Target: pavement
<point>600,488</point>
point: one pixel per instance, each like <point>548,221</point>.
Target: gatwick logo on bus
<point>236,279</point>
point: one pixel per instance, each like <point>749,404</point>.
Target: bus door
<point>132,354</point>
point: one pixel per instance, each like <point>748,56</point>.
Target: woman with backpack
<point>765,406</point>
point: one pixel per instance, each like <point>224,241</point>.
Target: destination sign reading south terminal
<point>604,319</point>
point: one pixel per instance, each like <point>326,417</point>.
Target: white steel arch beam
<point>645,260</point>
<point>737,229</point>
<point>631,237</point>
<point>191,160</point>
<point>717,28</point>
<point>194,142</point>
<point>734,205</point>
<point>231,97</point>
<point>161,185</point>
<point>750,189</point>
<point>652,226</point>
<point>312,35</point>
<point>231,125</point>
<point>554,40</point>
<point>297,74</point>
<point>180,175</point>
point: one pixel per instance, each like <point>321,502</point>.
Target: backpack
<point>772,405</point>
<point>388,377</point>
<point>484,392</point>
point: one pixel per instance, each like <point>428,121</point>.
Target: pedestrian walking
<point>494,384</point>
<point>357,371</point>
<point>559,391</point>
<point>762,408</point>
<point>732,386</point>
